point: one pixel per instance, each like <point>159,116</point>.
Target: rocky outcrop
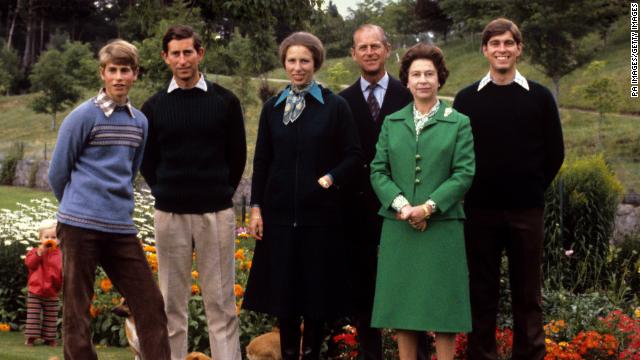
<point>627,221</point>
<point>32,173</point>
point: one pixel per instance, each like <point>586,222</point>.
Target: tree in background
<point>10,72</point>
<point>337,74</point>
<point>431,17</point>
<point>559,36</point>
<point>62,77</point>
<point>332,29</point>
<point>469,17</point>
<point>602,92</point>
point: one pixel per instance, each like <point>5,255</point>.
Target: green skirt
<point>422,281</point>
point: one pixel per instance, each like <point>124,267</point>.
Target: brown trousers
<point>122,258</point>
<point>521,233</point>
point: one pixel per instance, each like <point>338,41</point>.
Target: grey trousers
<point>211,236</point>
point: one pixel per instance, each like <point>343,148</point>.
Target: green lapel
<point>443,115</point>
<point>406,114</point>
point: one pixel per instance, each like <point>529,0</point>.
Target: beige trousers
<point>211,236</point>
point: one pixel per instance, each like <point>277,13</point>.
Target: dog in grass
<point>122,310</point>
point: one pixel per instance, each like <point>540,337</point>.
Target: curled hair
<point>500,26</point>
<point>180,32</point>
<point>308,40</point>
<point>426,52</point>
<point>119,52</point>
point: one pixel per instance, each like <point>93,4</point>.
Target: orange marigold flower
<point>239,254</point>
<point>106,285</point>
<point>195,290</point>
<point>149,248</point>
<point>246,265</point>
<point>4,327</point>
<point>50,244</point>
<point>238,290</point>
<point>194,274</point>
<point>152,259</point>
<point>93,311</point>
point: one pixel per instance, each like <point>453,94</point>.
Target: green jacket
<point>439,165</point>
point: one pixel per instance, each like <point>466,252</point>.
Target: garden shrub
<point>579,218</point>
<point>578,312</point>
<point>624,269</point>
<point>10,163</point>
<point>13,279</point>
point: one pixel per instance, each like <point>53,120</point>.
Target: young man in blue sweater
<point>97,155</point>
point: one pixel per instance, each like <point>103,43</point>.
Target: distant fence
<point>33,173</point>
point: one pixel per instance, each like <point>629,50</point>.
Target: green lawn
<point>13,348</point>
<point>10,195</point>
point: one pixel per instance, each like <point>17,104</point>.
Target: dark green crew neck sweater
<point>196,149</point>
<point>518,143</point>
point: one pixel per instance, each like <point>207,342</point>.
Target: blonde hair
<point>45,225</point>
<point>119,52</point>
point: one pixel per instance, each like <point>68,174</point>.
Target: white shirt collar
<point>383,83</point>
<point>518,79</point>
<point>201,84</point>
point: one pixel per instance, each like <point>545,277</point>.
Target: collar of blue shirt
<point>315,91</point>
<point>383,83</point>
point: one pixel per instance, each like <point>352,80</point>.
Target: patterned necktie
<point>374,107</point>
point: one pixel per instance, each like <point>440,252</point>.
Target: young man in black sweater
<point>193,162</point>
<point>519,150</point>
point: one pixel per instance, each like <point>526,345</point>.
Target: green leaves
<point>62,76</point>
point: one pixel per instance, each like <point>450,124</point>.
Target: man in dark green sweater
<point>519,150</point>
<point>193,162</point>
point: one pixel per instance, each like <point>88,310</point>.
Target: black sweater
<point>196,149</point>
<point>518,143</point>
<point>290,159</point>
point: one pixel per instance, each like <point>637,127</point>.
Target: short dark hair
<point>427,52</point>
<point>308,40</point>
<point>500,26</point>
<point>180,32</point>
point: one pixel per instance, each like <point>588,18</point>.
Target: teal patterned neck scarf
<point>295,102</point>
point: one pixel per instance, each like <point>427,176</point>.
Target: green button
<point>418,169</point>
<point>417,181</point>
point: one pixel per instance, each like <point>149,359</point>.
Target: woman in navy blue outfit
<point>307,148</point>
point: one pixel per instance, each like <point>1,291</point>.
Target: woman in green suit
<point>423,166</point>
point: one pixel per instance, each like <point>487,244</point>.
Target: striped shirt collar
<point>518,79</point>
<point>108,106</point>
<point>201,84</point>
